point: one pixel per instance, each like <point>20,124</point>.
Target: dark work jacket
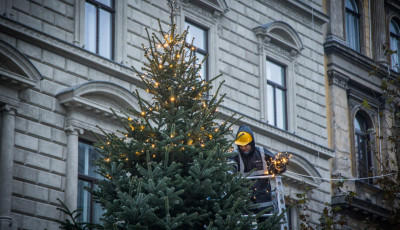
<point>259,159</point>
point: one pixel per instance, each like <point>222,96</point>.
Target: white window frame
<point>119,28</point>
<point>356,33</point>
<point>273,47</point>
<point>207,18</point>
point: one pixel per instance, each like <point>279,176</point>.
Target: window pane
<point>356,34</point>
<point>105,33</point>
<point>392,27</point>
<point>90,27</point>
<point>199,35</point>
<point>351,5</point>
<point>97,212</point>
<point>270,105</point>
<point>203,69</point>
<point>84,201</point>
<point>86,155</point>
<point>275,73</point>
<point>280,109</point>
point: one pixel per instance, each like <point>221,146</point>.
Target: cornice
<point>291,139</point>
<point>299,11</point>
<point>335,47</point>
<point>45,41</point>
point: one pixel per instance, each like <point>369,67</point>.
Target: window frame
<point>199,50</point>
<point>87,179</point>
<point>360,135</point>
<point>394,65</point>
<point>357,32</point>
<point>112,11</point>
<point>275,85</point>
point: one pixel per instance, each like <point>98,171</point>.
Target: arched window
<point>395,43</point>
<point>353,25</point>
<point>363,149</point>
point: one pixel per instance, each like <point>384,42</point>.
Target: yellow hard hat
<point>244,138</point>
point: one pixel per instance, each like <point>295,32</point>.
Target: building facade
<point>289,69</point>
<point>357,33</point>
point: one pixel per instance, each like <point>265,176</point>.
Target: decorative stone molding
<point>281,37</point>
<point>338,79</point>
<point>72,129</point>
<point>216,7</point>
<point>98,97</point>
<point>16,70</point>
<point>75,53</point>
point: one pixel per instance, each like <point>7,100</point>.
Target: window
<point>99,20</point>
<point>276,95</point>
<point>199,44</point>
<point>352,25</point>
<point>91,212</point>
<point>395,44</point>
<point>363,149</point>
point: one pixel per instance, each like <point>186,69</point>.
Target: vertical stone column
<point>71,178</point>
<point>378,30</point>
<point>6,165</point>
<point>340,124</point>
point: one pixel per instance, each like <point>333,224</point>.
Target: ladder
<point>277,199</point>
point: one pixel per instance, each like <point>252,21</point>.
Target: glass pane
<point>280,109</point>
<point>203,69</point>
<point>93,156</point>
<point>394,45</point>
<point>97,212</point>
<point>90,27</point>
<point>270,105</point>
<point>360,123</point>
<point>105,2</point>
<point>82,159</point>
<point>356,34</point>
<point>275,73</point>
<point>86,155</point>
<point>105,34</point>
<point>84,201</point>
<point>199,35</point>
<point>357,125</point>
<point>351,5</point>
<point>363,160</point>
<point>393,27</point>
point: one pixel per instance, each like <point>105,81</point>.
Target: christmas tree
<point>168,168</point>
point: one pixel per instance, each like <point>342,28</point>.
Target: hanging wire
<point>322,178</point>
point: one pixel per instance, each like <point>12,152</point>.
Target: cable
<point>343,179</point>
<point>326,179</point>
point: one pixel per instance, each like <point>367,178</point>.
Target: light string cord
<point>322,178</point>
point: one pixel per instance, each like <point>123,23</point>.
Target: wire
<point>342,179</point>
<point>326,179</point>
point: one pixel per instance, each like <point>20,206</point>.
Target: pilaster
<point>378,30</point>
<point>71,178</point>
<point>6,164</point>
